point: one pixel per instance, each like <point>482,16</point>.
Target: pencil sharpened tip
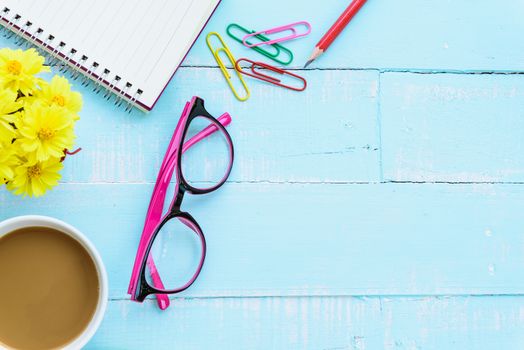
<point>308,63</point>
<point>316,53</point>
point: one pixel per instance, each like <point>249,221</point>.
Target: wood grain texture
<point>452,127</point>
<point>379,209</point>
<point>296,239</point>
<point>407,35</point>
<point>336,116</point>
<point>341,323</point>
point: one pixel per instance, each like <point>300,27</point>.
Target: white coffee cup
<point>19,222</point>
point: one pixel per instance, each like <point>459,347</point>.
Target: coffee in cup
<point>50,289</point>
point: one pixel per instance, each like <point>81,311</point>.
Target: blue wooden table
<point>380,208</point>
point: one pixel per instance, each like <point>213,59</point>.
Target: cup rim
<point>11,224</point>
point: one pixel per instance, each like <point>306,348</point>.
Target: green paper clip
<point>278,48</point>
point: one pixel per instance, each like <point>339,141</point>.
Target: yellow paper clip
<point>229,55</point>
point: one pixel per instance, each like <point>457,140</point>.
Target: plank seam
<point>380,70</point>
<point>379,127</point>
<point>389,70</point>
<point>420,70</point>
<point>268,182</point>
<point>356,296</point>
<point>457,182</point>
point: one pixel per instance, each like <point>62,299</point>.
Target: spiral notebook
<point>130,47</point>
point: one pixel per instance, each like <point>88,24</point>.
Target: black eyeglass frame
<point>197,109</point>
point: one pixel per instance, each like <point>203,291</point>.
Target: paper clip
<point>267,78</point>
<point>273,56</point>
<point>216,54</point>
<point>294,34</point>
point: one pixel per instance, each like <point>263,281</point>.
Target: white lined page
<point>141,41</point>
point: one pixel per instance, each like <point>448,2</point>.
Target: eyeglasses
<point>200,154</point>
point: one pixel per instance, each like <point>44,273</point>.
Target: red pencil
<point>335,30</point>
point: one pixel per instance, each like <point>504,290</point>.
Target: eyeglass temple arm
<point>154,213</point>
<point>163,299</point>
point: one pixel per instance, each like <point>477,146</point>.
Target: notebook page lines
<point>169,30</point>
<point>39,6</point>
<point>141,41</point>
<point>95,40</point>
<point>121,36</point>
<point>70,29</point>
<point>192,23</point>
<point>142,11</point>
<point>92,28</point>
<point>47,14</point>
<point>122,54</point>
<point>18,5</point>
<point>51,18</point>
<point>70,25</point>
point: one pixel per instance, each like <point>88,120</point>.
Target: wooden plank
<point>407,35</point>
<point>316,323</point>
<point>295,239</point>
<point>432,35</point>
<point>452,127</point>
<point>410,34</point>
<point>268,130</point>
<point>336,115</point>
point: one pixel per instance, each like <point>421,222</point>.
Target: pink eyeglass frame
<point>139,288</point>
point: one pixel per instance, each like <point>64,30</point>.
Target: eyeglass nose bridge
<point>177,203</point>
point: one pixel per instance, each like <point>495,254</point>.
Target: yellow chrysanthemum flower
<point>58,93</point>
<point>8,105</point>
<point>18,118</point>
<point>18,70</point>
<point>36,123</point>
<point>8,160</point>
<point>35,178</point>
<point>46,132</point>
<point>27,101</point>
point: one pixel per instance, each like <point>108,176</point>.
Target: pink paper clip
<point>288,27</point>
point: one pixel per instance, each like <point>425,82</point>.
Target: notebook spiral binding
<point>94,76</point>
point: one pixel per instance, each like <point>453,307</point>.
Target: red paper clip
<point>264,77</point>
